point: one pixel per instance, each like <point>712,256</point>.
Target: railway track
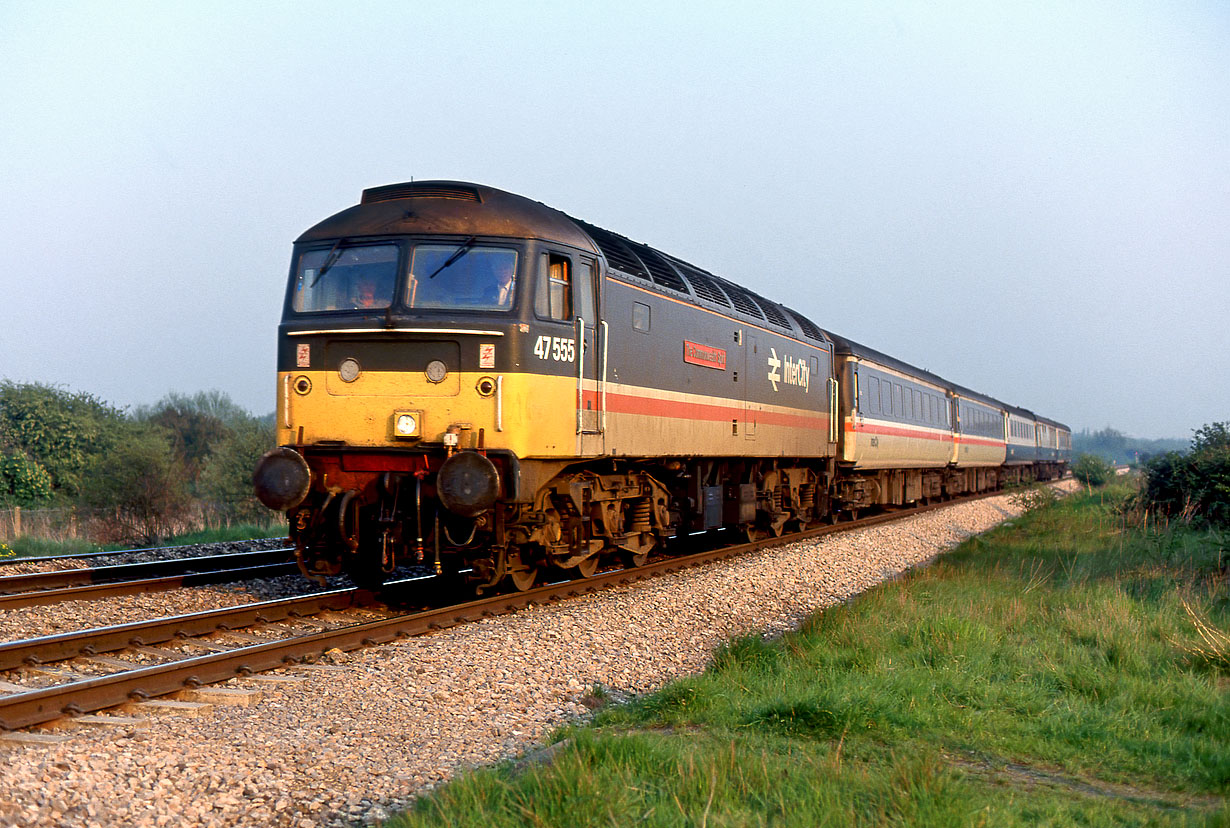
<point>115,553</point>
<point>243,654</point>
<point>41,588</point>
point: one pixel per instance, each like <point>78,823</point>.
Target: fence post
<point>16,522</point>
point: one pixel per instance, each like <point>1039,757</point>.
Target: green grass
<point>1048,673</point>
<point>28,547</point>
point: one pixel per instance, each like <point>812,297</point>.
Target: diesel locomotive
<point>475,382</point>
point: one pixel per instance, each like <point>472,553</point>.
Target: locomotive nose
<point>281,479</point>
<point>468,484</point>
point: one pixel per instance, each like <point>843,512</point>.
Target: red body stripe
<point>981,441</point>
<point>897,431</point>
<point>706,412</point>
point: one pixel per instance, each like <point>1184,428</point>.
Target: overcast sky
<point>1029,198</point>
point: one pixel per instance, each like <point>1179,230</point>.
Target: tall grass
<point>1055,671</point>
<point>27,547</point>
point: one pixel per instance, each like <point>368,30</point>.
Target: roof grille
<point>703,284</point>
<point>743,301</point>
<point>615,249</point>
<point>395,192</point>
<point>660,269</point>
<point>772,312</point>
<point>809,329</point>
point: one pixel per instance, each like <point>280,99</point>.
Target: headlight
<point>407,423</point>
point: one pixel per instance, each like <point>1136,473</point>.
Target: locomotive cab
<point>409,366</point>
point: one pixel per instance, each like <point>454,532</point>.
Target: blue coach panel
<point>1022,437</point>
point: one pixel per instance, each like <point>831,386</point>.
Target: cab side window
<point>553,298</point>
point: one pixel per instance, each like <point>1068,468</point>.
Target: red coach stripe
<point>707,412</point>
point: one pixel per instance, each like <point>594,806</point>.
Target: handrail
<point>499,402</point>
<point>606,341</point>
<point>580,373</point>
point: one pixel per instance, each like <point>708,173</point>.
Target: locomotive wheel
<point>587,567</point>
<point>758,533</point>
<point>636,558</point>
<point>523,580</point>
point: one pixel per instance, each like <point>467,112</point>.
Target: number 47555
<point>555,348</point>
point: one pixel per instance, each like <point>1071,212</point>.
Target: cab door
<point>568,293</point>
<point>591,364</point>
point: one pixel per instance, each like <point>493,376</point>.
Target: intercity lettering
<point>788,370</point>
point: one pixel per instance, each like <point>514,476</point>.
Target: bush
<point>23,482</point>
<point>138,488</point>
<point>1193,486</point>
<point>1092,470</point>
<point>226,478</point>
<point>57,430</point>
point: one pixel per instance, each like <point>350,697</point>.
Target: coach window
<point>553,299</point>
<point>898,401</point>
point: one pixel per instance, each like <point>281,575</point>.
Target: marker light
<point>349,369</point>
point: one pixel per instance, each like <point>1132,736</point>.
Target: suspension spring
<point>641,518</point>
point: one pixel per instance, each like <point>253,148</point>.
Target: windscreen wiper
<point>457,254</point>
<point>335,253</point>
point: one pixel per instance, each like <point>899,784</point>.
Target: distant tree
<point>226,480</point>
<point>1116,447</point>
<point>57,430</point>
<point>138,488</point>
<point>195,424</point>
<point>212,403</point>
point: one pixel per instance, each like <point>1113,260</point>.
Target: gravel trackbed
<point>348,746</point>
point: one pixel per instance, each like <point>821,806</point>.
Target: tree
<point>57,430</point>
<point>138,487</point>
<point>226,478</point>
<point>1211,437</point>
<point>195,424</point>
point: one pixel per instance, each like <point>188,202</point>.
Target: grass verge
<point>1062,669</point>
<point>28,547</point>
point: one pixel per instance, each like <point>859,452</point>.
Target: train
<point>474,382</point>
